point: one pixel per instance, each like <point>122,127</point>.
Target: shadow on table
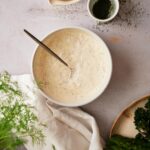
<point>105,108</point>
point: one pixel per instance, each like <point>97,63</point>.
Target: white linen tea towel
<point>66,128</point>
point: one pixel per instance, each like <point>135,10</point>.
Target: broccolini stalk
<point>118,142</point>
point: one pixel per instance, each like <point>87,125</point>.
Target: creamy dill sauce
<point>86,55</point>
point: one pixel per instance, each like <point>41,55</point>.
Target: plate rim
<point>134,102</point>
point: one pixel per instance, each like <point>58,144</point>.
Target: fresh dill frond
<point>17,120</point>
<point>53,147</point>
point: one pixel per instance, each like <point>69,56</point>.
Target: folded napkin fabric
<point>66,128</point>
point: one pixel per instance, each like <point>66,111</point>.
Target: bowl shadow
<point>104,108</point>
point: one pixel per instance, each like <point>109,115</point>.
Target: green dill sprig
<point>53,147</point>
<point>17,121</point>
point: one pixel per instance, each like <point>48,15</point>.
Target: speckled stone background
<point>128,37</point>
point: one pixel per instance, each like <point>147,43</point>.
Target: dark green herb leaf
<point>142,139</point>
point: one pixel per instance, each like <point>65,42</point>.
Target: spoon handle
<point>45,47</point>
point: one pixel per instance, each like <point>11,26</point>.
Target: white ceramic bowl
<point>107,78</point>
<point>113,13</point>
<point>63,2</point>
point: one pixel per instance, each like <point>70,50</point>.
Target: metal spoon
<point>46,47</point>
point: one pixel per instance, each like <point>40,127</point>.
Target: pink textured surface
<point>129,46</point>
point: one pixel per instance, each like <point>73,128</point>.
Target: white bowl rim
<point>106,84</point>
<point>104,20</point>
<point>65,3</point>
